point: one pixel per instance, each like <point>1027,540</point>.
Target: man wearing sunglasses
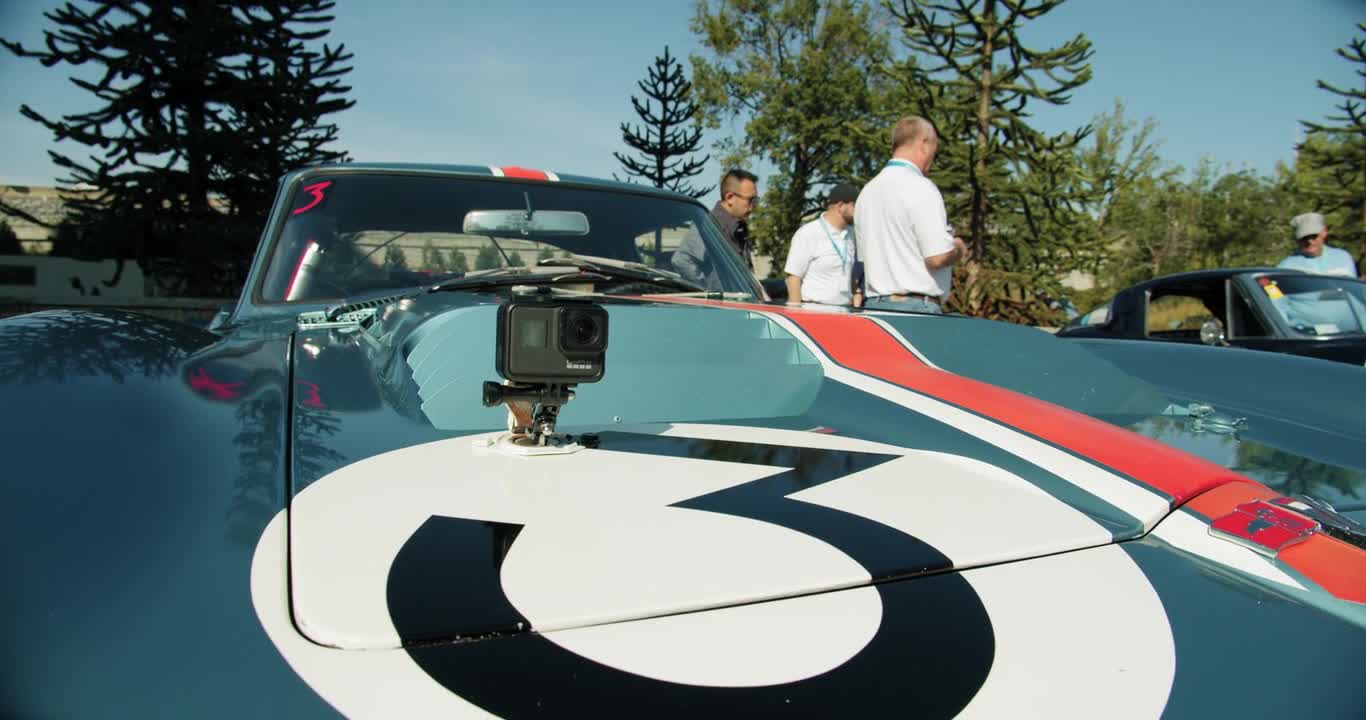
<point>1314,254</point>
<point>739,196</point>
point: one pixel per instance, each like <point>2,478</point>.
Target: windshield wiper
<point>581,270</point>
<point>625,270</point>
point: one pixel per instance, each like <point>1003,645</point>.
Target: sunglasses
<point>751,199</point>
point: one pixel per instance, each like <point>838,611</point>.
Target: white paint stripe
<point>1145,505</point>
<point>902,339</point>
<point>745,646</point>
<point>1077,635</point>
<point>497,171</point>
<point>1189,533</point>
<point>378,683</point>
<point>928,495</point>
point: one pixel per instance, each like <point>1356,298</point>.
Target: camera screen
<point>532,333</point>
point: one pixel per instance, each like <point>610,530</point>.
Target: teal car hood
<point>865,459</point>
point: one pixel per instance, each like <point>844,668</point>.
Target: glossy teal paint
<point>133,503</point>
<point>136,588</point>
<point>1295,439</point>
<point>1304,431</point>
<point>665,364</point>
<point>1028,361</point>
<point>853,413</point>
<point>144,458</point>
<point>1247,648</point>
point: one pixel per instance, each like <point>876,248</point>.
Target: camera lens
<point>584,330</point>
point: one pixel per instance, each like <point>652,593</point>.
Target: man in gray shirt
<point>739,195</point>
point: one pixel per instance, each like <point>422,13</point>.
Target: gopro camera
<point>551,342</point>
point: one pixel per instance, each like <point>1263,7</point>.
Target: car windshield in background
<point>355,233</point>
<point>1316,305</point>
<point>1098,316</point>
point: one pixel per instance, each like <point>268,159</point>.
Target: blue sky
<point>546,84</point>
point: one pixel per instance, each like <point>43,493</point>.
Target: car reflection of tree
<point>1292,474</point>
<point>1286,472</point>
<point>54,345</point>
<point>261,484</point>
<point>259,490</point>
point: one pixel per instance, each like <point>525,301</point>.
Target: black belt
<point>903,297</point>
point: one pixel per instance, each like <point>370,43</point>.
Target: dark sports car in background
<point>370,489</point>
<point>1257,308</point>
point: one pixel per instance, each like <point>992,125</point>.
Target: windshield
<point>1098,316</point>
<point>354,233</point>
<point>1315,305</point>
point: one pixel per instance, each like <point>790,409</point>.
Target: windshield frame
<point>253,300</point>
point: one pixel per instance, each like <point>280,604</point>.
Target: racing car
<point>493,441</point>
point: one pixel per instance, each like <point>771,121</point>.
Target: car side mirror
<point>1212,333</point>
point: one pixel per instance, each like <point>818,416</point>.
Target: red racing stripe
<point>861,345</point>
<point>1225,499</point>
<point>513,171</point>
<point>1336,566</point>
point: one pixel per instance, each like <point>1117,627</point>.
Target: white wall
<point>31,277</point>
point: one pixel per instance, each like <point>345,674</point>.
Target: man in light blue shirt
<point>1314,255</point>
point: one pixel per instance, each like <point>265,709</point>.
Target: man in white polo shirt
<point>904,239</point>
<point>820,259</point>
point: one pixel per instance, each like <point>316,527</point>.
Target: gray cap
<point>1307,224</point>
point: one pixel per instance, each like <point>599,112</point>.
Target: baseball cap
<point>1307,224</point>
<point>843,192</point>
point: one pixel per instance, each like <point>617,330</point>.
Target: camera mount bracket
<point>533,410</point>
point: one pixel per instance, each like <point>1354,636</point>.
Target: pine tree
<point>284,88</point>
<point>1015,194</point>
<point>9,241</point>
<point>806,80</point>
<point>395,258</point>
<point>198,103</point>
<point>545,254</point>
<point>432,258</point>
<point>487,259</point>
<point>515,259</point>
<point>458,263</point>
<point>1331,162</point>
<point>669,133</point>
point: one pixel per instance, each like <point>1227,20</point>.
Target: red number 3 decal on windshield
<point>316,190</point>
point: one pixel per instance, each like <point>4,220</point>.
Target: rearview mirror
<point>520,223</point>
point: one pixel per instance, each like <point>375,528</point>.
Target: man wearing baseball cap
<point>1314,255</point>
<point>820,258</point>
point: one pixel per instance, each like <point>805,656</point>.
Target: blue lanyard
<point>831,238</point>
<point>894,162</point>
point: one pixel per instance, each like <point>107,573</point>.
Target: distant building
<point>43,203</point>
